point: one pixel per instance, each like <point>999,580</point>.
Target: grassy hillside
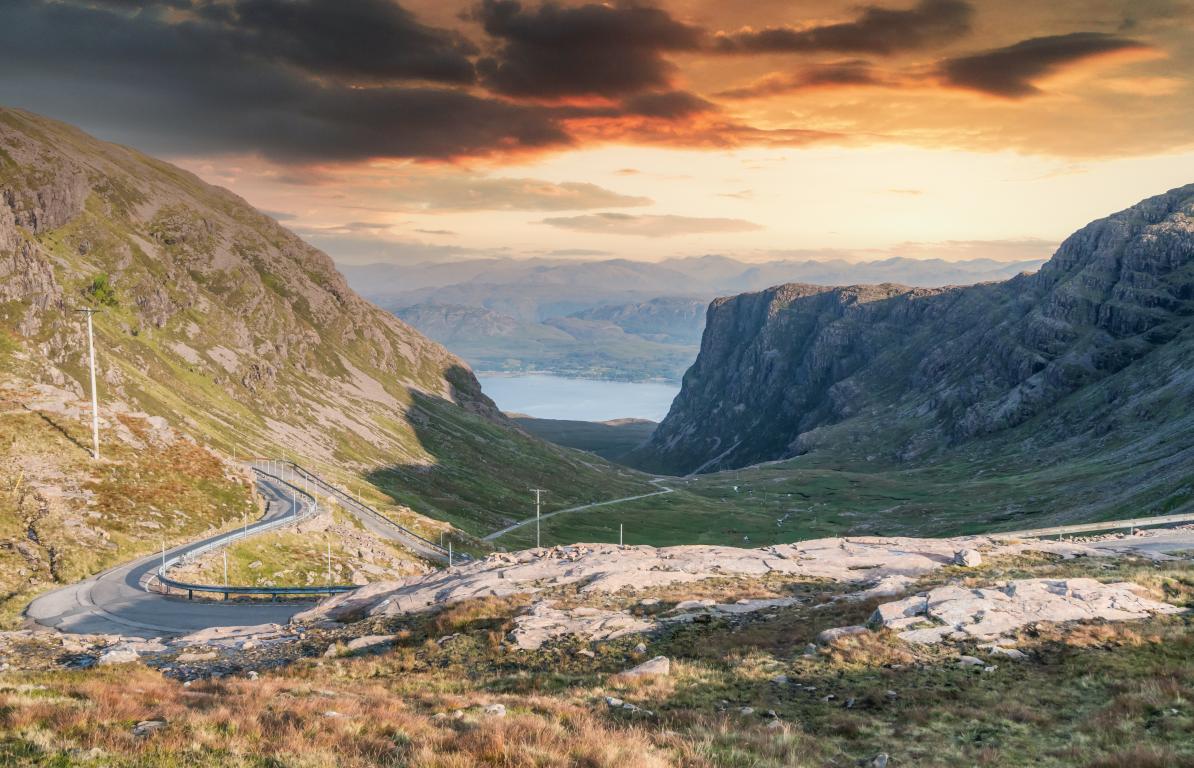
<point>608,439</point>
<point>231,328</point>
<point>64,516</point>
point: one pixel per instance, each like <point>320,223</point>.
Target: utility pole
<point>95,454</point>
<point>620,534</point>
<point>537,491</point>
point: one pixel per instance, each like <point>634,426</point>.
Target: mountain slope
<point>242,335</point>
<point>1097,349</point>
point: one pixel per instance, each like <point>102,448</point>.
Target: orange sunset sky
<point>434,130</point>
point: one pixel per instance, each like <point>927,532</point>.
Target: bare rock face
<point>607,568</point>
<point>948,365</point>
<point>986,613</point>
<point>543,623</point>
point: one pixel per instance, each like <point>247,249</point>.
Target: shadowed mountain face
<point>1099,341</point>
<point>239,333</point>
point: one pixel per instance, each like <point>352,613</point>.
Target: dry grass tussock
<point>244,722</point>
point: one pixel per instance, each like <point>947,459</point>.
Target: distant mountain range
<point>613,318</point>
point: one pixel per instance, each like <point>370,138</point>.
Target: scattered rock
<point>969,661</point>
<point>660,665</point>
<point>118,655</point>
<point>495,710</point>
<point>640,648</point>
<point>148,727</point>
<point>830,636</point>
<point>370,642</point>
<point>1011,653</point>
<point>191,657</point>
<point>969,558</point>
<point>880,760</point>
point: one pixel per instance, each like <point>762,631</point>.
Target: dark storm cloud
<point>555,52</point>
<point>830,75</point>
<point>876,30</point>
<point>364,39</point>
<point>192,86</point>
<point>669,105</point>
<point>1010,71</point>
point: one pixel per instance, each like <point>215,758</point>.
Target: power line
<point>537,492</point>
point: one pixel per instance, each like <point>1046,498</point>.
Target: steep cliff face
<point>235,330</point>
<point>927,368</point>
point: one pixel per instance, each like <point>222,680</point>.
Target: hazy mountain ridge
<point>571,345</point>
<point>1106,319</point>
<point>660,306</point>
<point>235,330</point>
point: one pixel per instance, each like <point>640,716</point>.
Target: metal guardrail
<point>415,541</point>
<point>228,589</point>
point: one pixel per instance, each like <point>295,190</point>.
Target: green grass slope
<point>236,331</point>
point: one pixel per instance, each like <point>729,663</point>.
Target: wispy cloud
<point>649,226</point>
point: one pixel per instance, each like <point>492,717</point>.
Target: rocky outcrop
<point>607,568</point>
<point>543,623</point>
<point>944,366</point>
<point>959,613</point>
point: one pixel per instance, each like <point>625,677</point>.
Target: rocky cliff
<point>1076,349</point>
<point>236,331</point>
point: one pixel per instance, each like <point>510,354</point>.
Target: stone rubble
<point>984,613</point>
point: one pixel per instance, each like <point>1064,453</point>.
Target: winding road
<point>118,602</point>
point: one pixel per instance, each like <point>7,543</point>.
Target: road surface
<point>116,601</point>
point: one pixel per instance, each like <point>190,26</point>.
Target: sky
<point>437,129</point>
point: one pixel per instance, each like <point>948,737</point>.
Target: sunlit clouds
<point>419,129</point>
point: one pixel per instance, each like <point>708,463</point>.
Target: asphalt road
<point>116,601</point>
<point>1154,541</point>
